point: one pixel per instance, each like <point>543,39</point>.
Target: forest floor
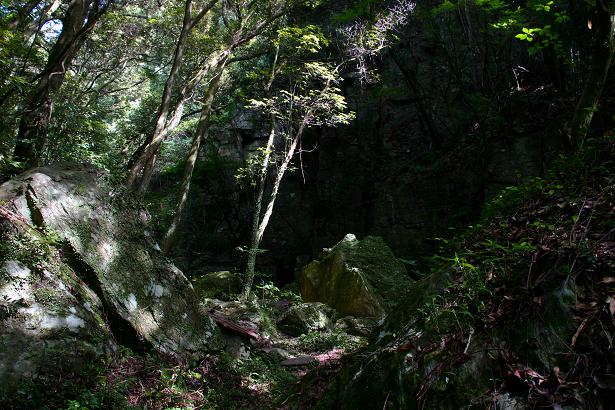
<point>553,234</point>
<point>280,371</point>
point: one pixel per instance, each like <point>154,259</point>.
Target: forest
<point>307,204</point>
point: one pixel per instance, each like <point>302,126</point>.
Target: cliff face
<point>428,146</point>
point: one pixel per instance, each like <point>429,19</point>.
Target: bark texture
<point>602,55</point>
<point>79,20</point>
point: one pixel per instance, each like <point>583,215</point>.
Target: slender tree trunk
<point>257,236</point>
<point>602,55</point>
<point>32,134</point>
<point>278,180</point>
<point>148,153</point>
<point>172,122</point>
<point>200,134</point>
<point>145,162</point>
<point>255,240</point>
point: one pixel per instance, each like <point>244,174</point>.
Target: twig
<point>386,400</point>
<point>579,330</point>
<point>465,351</point>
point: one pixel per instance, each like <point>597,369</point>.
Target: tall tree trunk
<point>257,236</point>
<point>147,159</point>
<point>172,122</point>
<point>200,134</point>
<point>602,55</point>
<point>255,240</point>
<point>34,122</point>
<point>148,155</point>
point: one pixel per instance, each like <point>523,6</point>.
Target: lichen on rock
<point>50,322</point>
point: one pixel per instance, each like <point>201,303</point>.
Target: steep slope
<point>526,316</point>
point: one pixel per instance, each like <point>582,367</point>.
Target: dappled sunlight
<point>38,317</point>
<point>107,252</point>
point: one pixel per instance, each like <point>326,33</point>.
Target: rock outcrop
<point>356,278</point>
<point>78,270</point>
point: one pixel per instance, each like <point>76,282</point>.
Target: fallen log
<point>227,324</point>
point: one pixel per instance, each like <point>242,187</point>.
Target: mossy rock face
<point>356,278</point>
<point>306,317</point>
<point>217,285</point>
<point>51,324</point>
<point>104,239</point>
<point>392,375</point>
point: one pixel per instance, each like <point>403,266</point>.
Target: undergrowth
<point>156,382</point>
<point>538,272</point>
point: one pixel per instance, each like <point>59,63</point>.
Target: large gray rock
<point>49,321</point>
<point>356,278</point>
<point>103,240</point>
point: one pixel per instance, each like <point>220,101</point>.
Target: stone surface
<point>275,354</point>
<point>357,326</point>
<point>304,318</point>
<point>356,278</point>
<point>99,237</point>
<point>217,285</point>
<point>237,346</point>
<point>248,315</point>
<point>51,323</point>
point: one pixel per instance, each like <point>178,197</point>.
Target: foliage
<point>89,391</point>
<point>326,341</point>
<point>516,275</point>
<point>268,291</point>
<point>363,41</point>
<point>539,24</point>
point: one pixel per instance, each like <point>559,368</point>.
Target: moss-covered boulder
<point>51,323</point>
<point>356,278</point>
<point>217,285</point>
<point>306,317</point>
<point>103,238</point>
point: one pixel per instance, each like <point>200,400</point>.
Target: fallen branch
<point>225,323</point>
